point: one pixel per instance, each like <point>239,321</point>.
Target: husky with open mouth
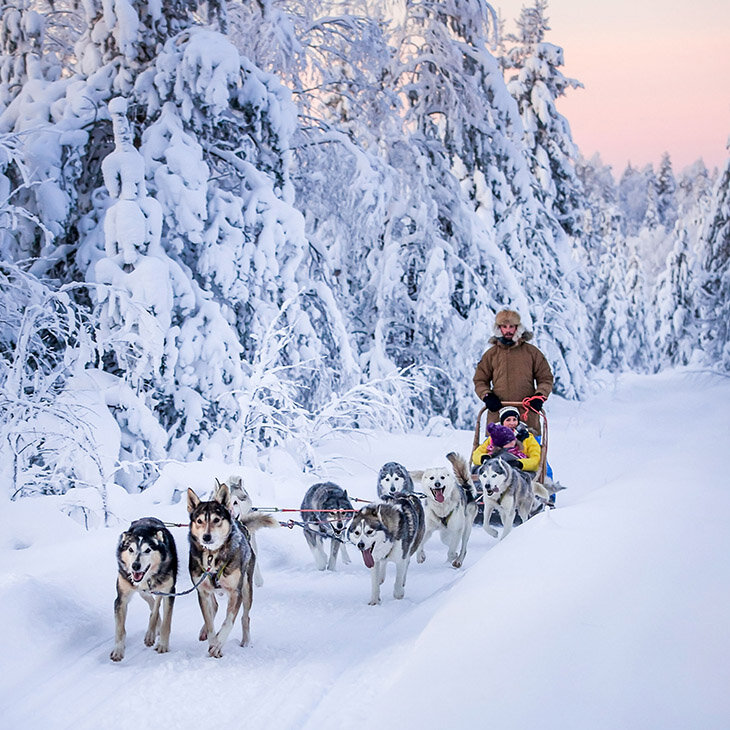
<point>146,562</point>
<point>390,530</point>
<point>450,507</point>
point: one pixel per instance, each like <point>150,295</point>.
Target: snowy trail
<point>609,612</point>
<point>308,629</point>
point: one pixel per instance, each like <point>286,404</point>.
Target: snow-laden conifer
<point>714,298</point>
<point>536,82</point>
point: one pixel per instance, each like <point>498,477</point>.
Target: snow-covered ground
<point>610,612</point>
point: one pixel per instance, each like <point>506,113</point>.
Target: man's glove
<point>535,402</point>
<point>521,432</point>
<point>492,402</point>
<point>516,464</point>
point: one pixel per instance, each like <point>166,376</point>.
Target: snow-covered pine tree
<point>213,134</point>
<point>601,228</point>
<point>633,200</point>
<point>623,316</point>
<point>614,326</point>
<point>636,340</point>
<point>441,202</point>
<point>714,297</point>
<point>675,334</point>
<point>694,187</point>
<point>24,55</point>
<point>536,83</point>
<point>28,69</point>
<point>216,148</point>
<point>502,247</point>
<point>666,187</point>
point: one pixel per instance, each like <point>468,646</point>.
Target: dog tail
<point>463,475</point>
<point>256,520</point>
<point>553,487</point>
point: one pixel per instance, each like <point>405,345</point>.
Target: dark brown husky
<point>221,555</point>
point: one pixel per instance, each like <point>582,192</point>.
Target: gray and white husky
<point>508,491</point>
<point>222,562</point>
<point>242,505</point>
<point>450,507</point>
<point>390,530</point>
<point>146,562</point>
<point>392,478</point>
<point>326,513</point>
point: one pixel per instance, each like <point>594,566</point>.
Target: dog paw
<point>117,654</point>
<point>374,602</point>
<point>456,563</point>
<point>421,557</point>
<point>162,648</point>
<point>215,650</point>
<point>398,595</point>
<point>149,638</point>
<point>203,635</point>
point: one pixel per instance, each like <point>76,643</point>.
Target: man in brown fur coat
<point>512,369</point>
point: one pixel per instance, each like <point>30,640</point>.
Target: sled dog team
<point>222,559</point>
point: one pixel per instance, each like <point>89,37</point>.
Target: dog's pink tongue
<point>438,495</point>
<point>137,577</point>
<point>367,557</point>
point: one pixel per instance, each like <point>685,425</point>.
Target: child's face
<point>511,422</point>
<point>511,444</point>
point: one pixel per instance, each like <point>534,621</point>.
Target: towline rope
<point>293,509</point>
<point>214,576</point>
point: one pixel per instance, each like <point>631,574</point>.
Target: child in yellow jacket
<point>523,444</point>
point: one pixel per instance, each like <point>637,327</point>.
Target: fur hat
<point>501,435</point>
<point>509,411</point>
<point>507,316</point>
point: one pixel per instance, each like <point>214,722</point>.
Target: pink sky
<point>656,77</point>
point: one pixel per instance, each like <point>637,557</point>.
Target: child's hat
<point>501,435</point>
<point>508,411</point>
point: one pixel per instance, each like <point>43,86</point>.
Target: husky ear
<point>346,497</point>
<point>222,495</point>
<point>193,500</point>
<point>160,537</point>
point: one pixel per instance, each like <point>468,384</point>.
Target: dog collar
<point>215,577</point>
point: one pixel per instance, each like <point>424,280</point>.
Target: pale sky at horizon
<point>656,77</point>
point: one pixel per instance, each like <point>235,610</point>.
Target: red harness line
<point>282,509</point>
<point>288,524</point>
<point>526,405</point>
